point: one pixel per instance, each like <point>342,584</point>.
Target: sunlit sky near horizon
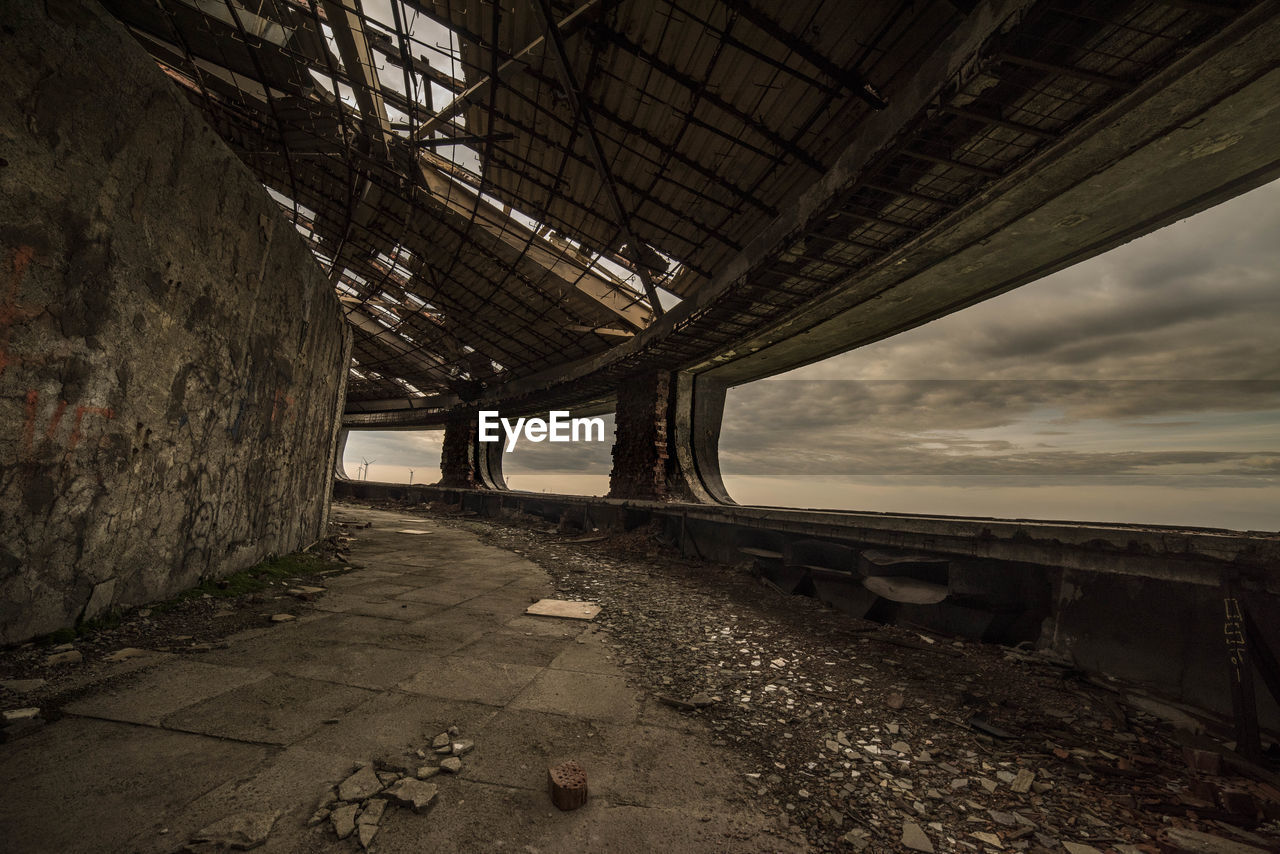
<point>1139,386</point>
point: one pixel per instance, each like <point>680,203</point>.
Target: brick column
<point>458,454</point>
<point>641,452</point>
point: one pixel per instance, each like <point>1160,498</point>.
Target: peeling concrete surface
<point>171,355</point>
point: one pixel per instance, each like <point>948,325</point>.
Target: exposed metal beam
<point>848,78</point>
<point>468,96</point>
<point>357,61</point>
<point>574,93</point>
<point>463,140</point>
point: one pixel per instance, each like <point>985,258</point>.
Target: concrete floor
<point>429,633</point>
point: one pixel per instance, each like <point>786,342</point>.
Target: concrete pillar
<point>665,446</point>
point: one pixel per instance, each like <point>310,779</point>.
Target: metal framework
<point>498,190</point>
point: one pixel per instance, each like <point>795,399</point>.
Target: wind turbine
<point>366,468</point>
<point>411,477</point>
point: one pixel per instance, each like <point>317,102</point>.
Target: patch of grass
<point>250,580</point>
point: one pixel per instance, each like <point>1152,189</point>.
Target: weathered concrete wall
<point>171,356</point>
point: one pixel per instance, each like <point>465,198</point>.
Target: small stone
<point>462,748</point>
<point>388,777</point>
<point>344,820</point>
<point>242,831</point>
<point>72,656</point>
<point>426,772</point>
<point>125,654</point>
<point>283,618</point>
<point>803,793</point>
<point>360,785</point>
<point>1022,783</point>
<point>62,647</point>
<point>896,701</point>
<point>441,740</point>
<point>453,765</point>
<point>989,785</point>
<point>1005,818</point>
<point>914,837</point>
<point>413,793</point>
<point>372,813</point>
<point>989,838</point>
<point>901,747</point>
<point>15,715</point>
<point>454,732</point>
<point>144,612</point>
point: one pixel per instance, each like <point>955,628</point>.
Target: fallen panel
<point>564,608</point>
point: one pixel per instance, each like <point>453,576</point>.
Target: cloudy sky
<point>1141,386</point>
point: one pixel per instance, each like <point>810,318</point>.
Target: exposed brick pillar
<point>458,454</point>
<point>641,452</point>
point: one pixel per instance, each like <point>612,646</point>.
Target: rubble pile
<point>878,738</point>
<point>357,805</point>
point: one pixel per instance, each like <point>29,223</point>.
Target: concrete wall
<point>171,356</point>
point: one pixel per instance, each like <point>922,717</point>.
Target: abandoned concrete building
<point>235,231</point>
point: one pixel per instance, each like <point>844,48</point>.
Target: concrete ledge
<point>1184,555</point>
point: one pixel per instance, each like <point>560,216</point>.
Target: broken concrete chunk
<point>388,777</point>
<point>453,764</point>
<point>414,794</point>
<point>426,772</point>
<point>914,837</point>
<point>1022,783</point>
<point>372,813</point>
<point>99,599</point>
<point>15,715</point>
<point>360,785</point>
<point>344,820</point>
<point>71,656</point>
<point>462,748</point>
<point>1079,848</point>
<point>241,832</point>
<point>367,832</point>
<point>989,838</point>
<point>441,740</point>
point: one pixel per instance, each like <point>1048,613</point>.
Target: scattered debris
<point>1015,745</point>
